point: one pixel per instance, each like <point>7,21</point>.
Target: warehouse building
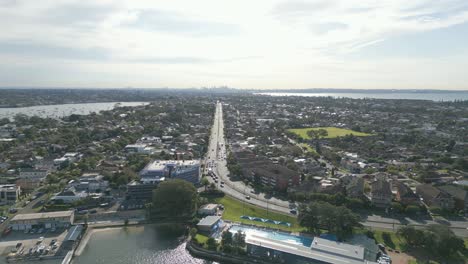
<point>60,219</point>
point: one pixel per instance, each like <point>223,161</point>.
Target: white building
<point>208,209</point>
<point>139,148</point>
<point>69,195</point>
<point>68,157</point>
<point>28,173</point>
<point>90,182</point>
<point>188,170</point>
<point>9,193</point>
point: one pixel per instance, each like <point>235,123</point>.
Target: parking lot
<point>22,244</point>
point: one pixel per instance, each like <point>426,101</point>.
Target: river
<point>57,111</point>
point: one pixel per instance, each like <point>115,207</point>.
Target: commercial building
<point>60,219</point>
<point>188,170</point>
<point>321,251</point>
<point>141,191</point>
<point>210,224</point>
<point>9,193</point>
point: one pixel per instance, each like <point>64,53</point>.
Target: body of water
<point>57,111</point>
<point>433,96</point>
<point>135,245</point>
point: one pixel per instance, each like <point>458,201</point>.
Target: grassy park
<point>333,132</point>
<point>234,209</point>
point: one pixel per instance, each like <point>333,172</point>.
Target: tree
<point>205,182</point>
<point>239,239</point>
<point>211,243</point>
<point>226,238</point>
<point>316,134</point>
<point>193,232</point>
<point>436,239</point>
<point>339,220</point>
<point>309,218</point>
<point>175,198</point>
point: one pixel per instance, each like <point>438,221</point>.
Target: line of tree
<point>233,243</point>
<point>338,220</point>
<point>437,240</point>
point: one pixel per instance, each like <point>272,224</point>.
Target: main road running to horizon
<point>216,160</point>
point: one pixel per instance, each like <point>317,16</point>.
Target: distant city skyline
<point>421,44</point>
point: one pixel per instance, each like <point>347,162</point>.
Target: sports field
<point>333,132</point>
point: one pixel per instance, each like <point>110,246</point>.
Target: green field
<point>234,209</point>
<point>333,132</point>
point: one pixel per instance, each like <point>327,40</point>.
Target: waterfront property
<point>288,248</point>
<point>210,224</point>
<point>60,219</point>
<point>73,237</point>
<point>188,170</point>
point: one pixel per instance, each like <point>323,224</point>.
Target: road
<point>216,160</point>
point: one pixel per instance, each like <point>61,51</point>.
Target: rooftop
<point>21,217</point>
<point>161,164</point>
<point>209,206</point>
<point>326,251</point>
<point>209,220</point>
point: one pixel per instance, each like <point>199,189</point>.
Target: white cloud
<point>251,44</point>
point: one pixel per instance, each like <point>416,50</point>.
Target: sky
<point>260,44</point>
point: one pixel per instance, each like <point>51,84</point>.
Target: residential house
<point>459,195</point>
<point>405,195</point>
<point>434,197</point>
<point>381,193</point>
<point>355,189</point>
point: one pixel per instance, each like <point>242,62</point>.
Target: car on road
<point>247,197</point>
<point>222,182</point>
<point>293,211</point>
<point>222,186</point>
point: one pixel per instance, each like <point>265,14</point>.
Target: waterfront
<point>57,111</point>
<point>142,244</point>
<point>414,95</point>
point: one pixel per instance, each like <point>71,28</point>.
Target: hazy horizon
<point>276,44</point>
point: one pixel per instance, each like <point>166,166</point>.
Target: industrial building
<point>60,219</point>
